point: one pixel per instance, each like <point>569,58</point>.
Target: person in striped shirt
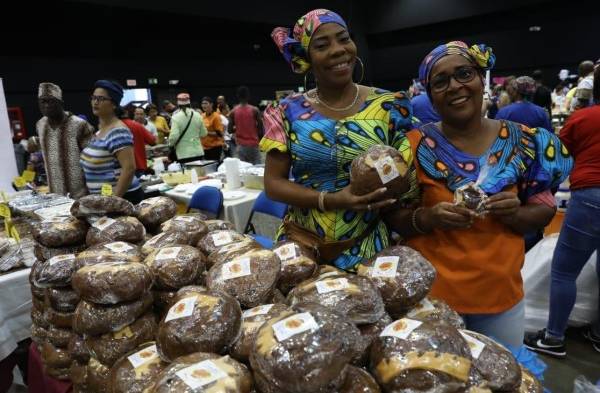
<point>109,158</point>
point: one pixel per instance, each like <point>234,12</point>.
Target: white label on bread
<point>385,267</point>
<point>142,357</point>
<point>295,324</point>
<point>118,247</point>
<point>401,328</point>
<point>286,252</point>
<point>185,218</point>
<point>239,267</point>
<point>181,309</point>
<point>475,345</point>
<point>201,374</point>
<point>61,258</point>
<point>331,285</point>
<point>167,253</point>
<point>386,169</point>
<point>423,306</point>
<point>221,238</point>
<point>260,310</point>
<point>103,223</point>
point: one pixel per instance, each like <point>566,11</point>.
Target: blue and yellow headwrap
<point>293,44</point>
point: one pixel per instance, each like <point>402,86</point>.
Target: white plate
<point>231,195</point>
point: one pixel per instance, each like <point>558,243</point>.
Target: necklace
<point>319,100</point>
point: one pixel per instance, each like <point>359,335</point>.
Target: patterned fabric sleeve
<point>118,139</point>
<point>276,129</point>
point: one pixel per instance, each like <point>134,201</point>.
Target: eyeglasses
<point>462,75</point>
<point>99,99</point>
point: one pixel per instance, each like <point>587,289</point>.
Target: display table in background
<point>15,309</point>
<point>38,382</point>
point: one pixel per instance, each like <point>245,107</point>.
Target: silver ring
<point>369,207</point>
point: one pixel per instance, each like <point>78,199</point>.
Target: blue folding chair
<point>207,199</point>
<point>266,206</point>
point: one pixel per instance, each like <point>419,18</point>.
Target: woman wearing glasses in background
<point>108,158</point>
<point>478,258</point>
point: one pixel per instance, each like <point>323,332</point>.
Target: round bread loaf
<point>380,166</point>
<point>252,320</point>
<point>231,251</point>
<point>219,225</point>
<point>59,337</point>
<point>36,291</point>
<point>199,321</point>
<point>304,349</point>
<point>38,304</point>
<point>298,263</point>
<point>165,239</point>
<point>215,240</point>
<point>402,275</point>
<point>264,385</point>
<point>529,383</point>
<point>59,319</point>
<point>154,211</point>
<point>109,347</point>
<point>250,278</point>
<point>44,253</point>
<point>98,377</point>
<point>99,205</point>
<point>411,355</point>
<point>38,318</point>
<point>96,319</point>
<point>79,376</point>
<point>109,252</point>
<point>56,272</point>
<point>55,357</point>
<point>204,372</point>
<point>78,350</point>
<point>60,232</point>
<point>368,333</point>
<point>436,311</point>
<point>192,224</point>
<point>352,296</point>
<point>106,229</point>
<point>39,334</point>
<point>112,282</point>
<point>62,299</point>
<point>137,370</point>
<point>175,267</point>
<point>63,374</point>
<point>163,300</point>
<point>359,381</point>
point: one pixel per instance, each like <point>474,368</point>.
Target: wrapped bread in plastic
<point>112,282</point>
<point>163,300</point>
<point>175,267</point>
<point>79,376</point>
<point>36,291</point>
<point>232,251</point>
<point>263,384</point>
<point>352,296</point>
<point>78,350</point>
<point>215,240</point>
<point>55,357</point>
<point>199,321</point>
<point>62,299</point>
<point>402,275</point>
<point>59,337</point>
<point>252,320</point>
<point>38,304</point>
<point>63,374</point>
<point>165,239</point>
<point>204,372</point>
<point>137,370</point>
<point>471,196</point>
<point>38,318</point>
<point>60,232</point>
<point>329,271</point>
<point>379,166</point>
<point>298,263</point>
<point>56,272</point>
<point>250,278</point>
<point>109,347</point>
<point>359,381</point>
<point>304,349</point>
<point>529,383</point>
<point>59,319</point>
<point>109,252</point>
<point>44,253</point>
<point>368,333</point>
<point>39,334</point>
<point>219,225</point>
<point>106,229</point>
<point>99,205</point>
<point>493,362</point>
<point>436,311</point>
<point>416,356</point>
<point>95,319</point>
<point>98,377</point>
<point>154,211</point>
<point>192,224</point>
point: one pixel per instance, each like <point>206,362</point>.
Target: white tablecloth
<point>15,308</point>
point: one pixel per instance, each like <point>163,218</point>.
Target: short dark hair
<point>586,67</point>
<point>243,93</point>
<point>537,75</point>
<point>207,99</point>
<point>165,103</point>
<point>150,107</point>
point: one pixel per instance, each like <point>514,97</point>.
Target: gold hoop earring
<point>306,81</point>
<point>362,69</point>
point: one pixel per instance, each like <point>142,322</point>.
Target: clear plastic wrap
<point>106,229</point>
<point>204,373</point>
<point>137,370</point>
<point>12,257</point>
<point>165,239</point>
<point>38,304</point>
<point>78,350</point>
<point>232,251</point>
<point>530,384</point>
<point>36,291</point>
<point>435,311</point>
<point>39,334</point>
<point>79,376</point>
<point>60,232</point>
<point>38,318</point>
<point>252,320</point>
<point>109,252</point>
<point>56,272</point>
<point>153,212</point>
<point>44,253</point>
<point>470,196</point>
<point>57,358</point>
<point>95,319</point>
<point>359,381</point>
<point>264,384</point>
<point>199,321</point>
<point>219,225</point>
<point>304,349</point>
<point>192,224</point>
<point>109,347</point>
<point>176,267</point>
<point>59,337</point>
<point>215,240</point>
<point>352,296</point>
<point>63,374</point>
<point>98,205</point>
<point>112,282</point>
<point>368,333</point>
<point>403,276</point>
<point>62,299</point>
<point>59,319</point>
<point>250,278</point>
<point>380,166</point>
<point>163,300</point>
<point>415,356</point>
<point>98,377</point>
<point>298,263</point>
<point>493,362</point>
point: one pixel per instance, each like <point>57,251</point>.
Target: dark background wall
<point>213,47</point>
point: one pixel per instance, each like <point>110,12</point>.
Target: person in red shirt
<point>141,138</point>
<point>245,122</point>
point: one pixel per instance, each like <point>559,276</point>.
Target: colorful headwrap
<point>293,44</point>
<point>524,85</point>
<point>481,55</point>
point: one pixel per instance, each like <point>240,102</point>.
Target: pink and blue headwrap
<point>293,44</point>
<point>480,55</point>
